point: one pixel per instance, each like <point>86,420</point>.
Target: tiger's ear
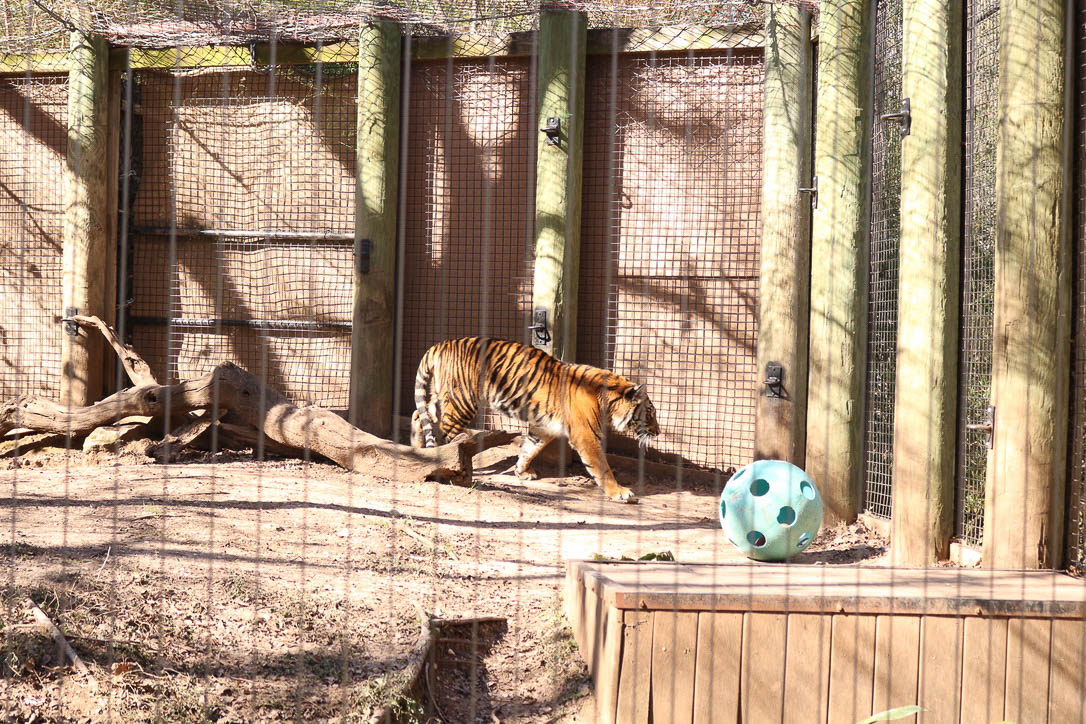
<point>634,392</point>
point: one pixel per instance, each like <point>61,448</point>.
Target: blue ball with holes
<point>770,510</point>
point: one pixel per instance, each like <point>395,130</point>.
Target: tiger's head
<point>632,412</point>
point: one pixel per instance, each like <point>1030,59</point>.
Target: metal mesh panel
<point>670,241</point>
<point>1075,544</point>
<point>33,143</point>
<point>978,270</point>
<point>469,249</point>
<point>883,260</point>
<point>256,173</point>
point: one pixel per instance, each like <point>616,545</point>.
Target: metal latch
<point>71,327</point>
<point>904,117</point>
<point>553,129</point>
<point>774,380</point>
<point>362,256</point>
<point>988,426</point>
<point>539,326</point>
<point>812,190</point>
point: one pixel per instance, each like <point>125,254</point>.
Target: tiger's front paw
<point>621,494</point>
<point>525,473</point>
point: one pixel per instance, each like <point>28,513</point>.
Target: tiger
<point>555,398</point>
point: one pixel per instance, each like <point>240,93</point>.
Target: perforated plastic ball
<point>770,510</point>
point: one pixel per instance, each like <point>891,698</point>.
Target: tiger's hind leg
<point>453,417</point>
<point>533,443</point>
<point>588,446</point>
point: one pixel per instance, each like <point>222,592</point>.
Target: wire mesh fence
<point>978,270</point>
<point>33,143</point>
<point>1076,494</point>
<point>259,573</point>
<point>671,233</point>
<point>882,281</point>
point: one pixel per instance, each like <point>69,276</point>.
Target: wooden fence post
<point>835,402</point>
<point>781,426</point>
<point>562,40</point>
<point>925,414</point>
<point>378,143</point>
<point>85,226</point>
<point>1024,501</point>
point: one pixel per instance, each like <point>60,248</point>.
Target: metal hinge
<point>71,327</point>
<point>774,380</point>
<point>988,426</point>
<point>812,190</point>
<point>553,129</point>
<point>904,117</point>
<point>539,326</point>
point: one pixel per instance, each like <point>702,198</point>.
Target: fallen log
<point>250,400</point>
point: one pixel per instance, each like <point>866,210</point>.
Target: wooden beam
<point>1024,501</point>
<point>925,415</point>
<point>842,163</point>
<point>558,179</point>
<point>85,243</point>
<point>378,144</point>
<point>781,428</point>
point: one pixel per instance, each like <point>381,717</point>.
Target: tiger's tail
<point>422,423</point>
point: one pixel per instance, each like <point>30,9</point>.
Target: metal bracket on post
<point>904,117</point>
<point>988,426</point>
<point>539,327</point>
<point>812,190</point>
<point>553,129</point>
<point>71,327</point>
<point>362,256</point>
<point>774,380</point>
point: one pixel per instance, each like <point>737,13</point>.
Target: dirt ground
<point>223,589</point>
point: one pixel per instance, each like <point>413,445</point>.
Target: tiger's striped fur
<point>554,398</point>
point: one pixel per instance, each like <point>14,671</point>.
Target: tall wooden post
<point>786,222</point>
<point>1024,501</point>
<point>925,419</point>
<point>378,142</point>
<point>839,236</point>
<point>562,38</point>
<point>85,241</point>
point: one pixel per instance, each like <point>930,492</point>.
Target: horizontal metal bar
<point>270,324</point>
<point>324,236</point>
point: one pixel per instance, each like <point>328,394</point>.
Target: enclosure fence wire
<point>671,217</point>
<point>1075,538</point>
<point>882,279</point>
<point>978,267</point>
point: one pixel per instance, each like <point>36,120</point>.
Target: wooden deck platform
<point>669,642</point>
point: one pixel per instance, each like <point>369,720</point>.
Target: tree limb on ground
<point>250,400</point>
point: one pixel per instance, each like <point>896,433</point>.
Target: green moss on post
<point>925,420</point>
<point>84,232</point>
<point>1024,502</point>
<point>839,236</point>
<point>372,343</point>
<point>785,259</point>
<point>562,36</point>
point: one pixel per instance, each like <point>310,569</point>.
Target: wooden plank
<point>609,666</point>
<point>939,689</point>
<point>716,670</point>
<point>673,38</point>
<point>761,677</point>
<point>807,671</point>
<point>593,609</point>
<point>836,353</point>
<point>781,420</point>
<point>561,69</point>
<point>674,647</point>
<point>1067,685</point>
<point>897,661</point>
<point>635,675</point>
<point>819,589</point>
<point>1024,497</point>
<point>852,667</point>
<point>53,61</point>
<point>925,429</point>
<point>1028,646</point>
<point>84,229</point>
<point>376,185</point>
<point>984,651</point>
